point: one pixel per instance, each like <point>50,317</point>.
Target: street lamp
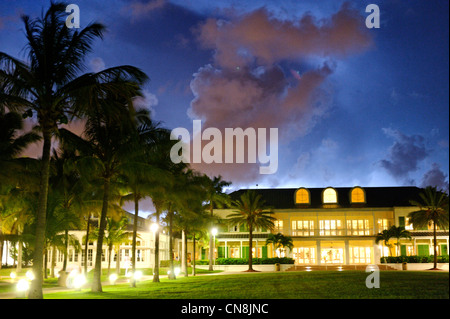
<point>214,233</point>
<point>154,227</point>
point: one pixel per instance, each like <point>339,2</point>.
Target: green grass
<point>7,285</point>
<point>286,285</point>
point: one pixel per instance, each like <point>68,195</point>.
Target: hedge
<point>413,259</point>
<point>244,261</point>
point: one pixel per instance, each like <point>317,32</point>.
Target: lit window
<point>357,195</point>
<point>329,196</point>
<point>278,226</point>
<point>302,196</point>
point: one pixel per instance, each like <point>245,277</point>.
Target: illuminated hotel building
<point>333,225</point>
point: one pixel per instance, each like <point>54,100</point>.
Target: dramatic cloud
<point>140,9</point>
<point>148,102</point>
<point>246,85</point>
<point>97,64</point>
<point>405,154</point>
<point>435,177</point>
<point>262,38</point>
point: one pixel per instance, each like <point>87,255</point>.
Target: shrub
<point>255,261</point>
<point>413,259</point>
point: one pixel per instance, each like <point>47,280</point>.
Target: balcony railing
<point>333,232</point>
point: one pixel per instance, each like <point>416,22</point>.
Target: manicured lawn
<point>285,285</point>
<point>8,285</point>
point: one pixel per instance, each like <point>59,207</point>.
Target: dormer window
<point>357,195</point>
<point>329,196</point>
<point>302,196</point>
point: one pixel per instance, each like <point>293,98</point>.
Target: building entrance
<point>332,255</point>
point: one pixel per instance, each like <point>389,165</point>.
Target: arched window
<point>357,195</point>
<point>302,196</point>
<point>329,196</point>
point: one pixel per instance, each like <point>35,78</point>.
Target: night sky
<point>353,106</point>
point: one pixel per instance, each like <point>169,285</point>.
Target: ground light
<point>29,275</point>
<point>79,281</point>
<point>137,275</point>
<point>22,287</point>
<point>112,279</point>
<point>13,276</point>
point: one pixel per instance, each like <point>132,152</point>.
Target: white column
<point>347,252</point>
<point>240,250</point>
<point>226,250</point>
<point>319,253</point>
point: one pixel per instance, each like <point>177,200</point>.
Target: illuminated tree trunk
<point>36,284</point>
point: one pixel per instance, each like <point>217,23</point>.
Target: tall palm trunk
<point>185,262</point>
<point>193,258</point>
<point>211,242</point>
<point>172,272</point>
<point>183,254</point>
<point>96,283</point>
<point>86,244</point>
<point>1,248</point>
<point>66,249</point>
<point>19,253</point>
<point>133,247</point>
<point>36,284</point>
<point>250,248</point>
<point>110,248</point>
<point>156,268</point>
<point>53,262</point>
<point>435,245</point>
<point>118,260</point>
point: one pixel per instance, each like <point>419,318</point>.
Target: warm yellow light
<point>137,275</point>
<point>357,195</point>
<point>302,196</point>
<point>329,196</point>
<point>214,231</point>
<point>29,275</point>
<point>79,281</point>
<point>23,285</point>
<point>154,227</point>
<point>112,279</point>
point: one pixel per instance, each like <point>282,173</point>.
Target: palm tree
<point>115,234</point>
<point>385,236</point>
<point>49,87</point>
<point>190,209</point>
<point>433,209</point>
<point>399,232</point>
<point>280,241</point>
<point>106,148</point>
<point>251,211</point>
<point>12,144</point>
<point>141,174</point>
<point>17,200</point>
<point>215,198</point>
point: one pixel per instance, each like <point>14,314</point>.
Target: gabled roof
<point>284,198</point>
